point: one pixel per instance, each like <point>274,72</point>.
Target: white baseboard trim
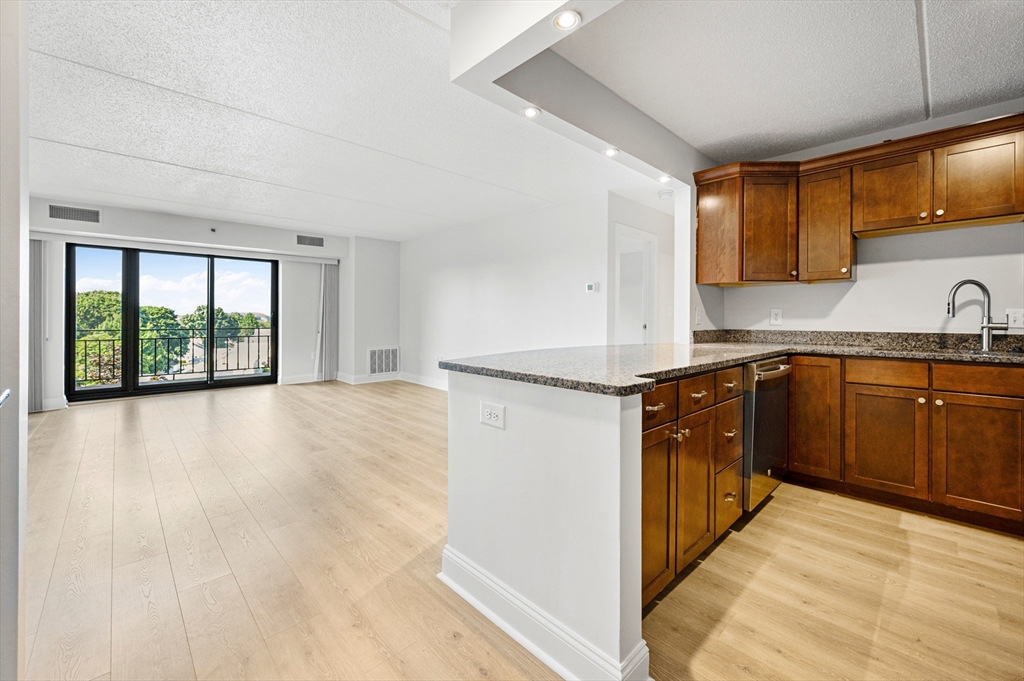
<point>438,383</point>
<point>297,378</point>
<point>54,403</point>
<point>552,643</point>
<point>346,378</point>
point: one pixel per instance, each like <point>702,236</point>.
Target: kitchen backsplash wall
<point>901,284</point>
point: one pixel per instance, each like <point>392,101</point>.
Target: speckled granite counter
<point>622,370</point>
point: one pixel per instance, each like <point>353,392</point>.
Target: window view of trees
<point>167,343</point>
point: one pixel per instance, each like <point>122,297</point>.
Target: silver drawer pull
<point>700,395</point>
<point>731,496</point>
<point>681,434</point>
<point>940,212</point>
<point>731,384</point>
<point>657,407</point>
<point>731,433</point>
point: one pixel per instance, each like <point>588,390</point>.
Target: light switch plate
<point>492,415</point>
<point>776,317</point>
<point>1015,318</point>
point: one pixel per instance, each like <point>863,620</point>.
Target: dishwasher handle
<point>783,370</point>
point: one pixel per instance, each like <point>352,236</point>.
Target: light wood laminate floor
<point>295,532</point>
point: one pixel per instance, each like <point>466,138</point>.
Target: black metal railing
<point>171,354</point>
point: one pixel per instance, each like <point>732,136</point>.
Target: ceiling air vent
<point>309,240</point>
<point>383,361</point>
<point>69,213</point>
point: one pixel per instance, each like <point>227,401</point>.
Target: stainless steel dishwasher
<point>765,428</point>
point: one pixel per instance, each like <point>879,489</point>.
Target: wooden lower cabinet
<point>658,510</point>
<point>887,439</point>
<point>815,416</point>
<point>695,520</point>
<point>978,453</point>
<point>728,497</point>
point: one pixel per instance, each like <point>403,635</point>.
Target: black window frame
<point>130,384</point>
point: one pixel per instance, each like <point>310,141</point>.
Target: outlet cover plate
<point>1015,318</point>
<point>492,415</point>
<point>776,317</point>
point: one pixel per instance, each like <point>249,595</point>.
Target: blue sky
<point>179,281</point>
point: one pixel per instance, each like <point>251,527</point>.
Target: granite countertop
<point>622,370</point>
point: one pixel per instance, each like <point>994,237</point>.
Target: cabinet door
<point>826,240</point>
<point>728,433</point>
<point>769,229</point>
<point>719,232</point>
<point>894,192</point>
<point>978,453</point>
<point>658,510</point>
<point>815,391</point>
<point>887,439</point>
<point>695,520</point>
<point>980,179</point>
<point>728,497</point>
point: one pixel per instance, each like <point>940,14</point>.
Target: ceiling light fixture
<point>664,178</point>
<point>666,194</point>
<point>610,151</point>
<point>531,112</point>
<point>567,20</point>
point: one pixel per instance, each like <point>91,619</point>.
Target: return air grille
<point>309,240</point>
<point>384,361</point>
<point>69,213</point>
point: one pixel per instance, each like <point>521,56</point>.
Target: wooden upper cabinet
<point>719,232</point>
<point>894,192</point>
<point>887,439</point>
<point>825,235</point>
<point>815,416</point>
<point>978,453</point>
<point>658,510</point>
<point>769,228</point>
<point>980,179</point>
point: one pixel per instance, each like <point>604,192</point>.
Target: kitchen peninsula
<point>548,508</point>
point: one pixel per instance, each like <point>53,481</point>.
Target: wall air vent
<point>383,361</point>
<point>69,213</point>
<point>309,240</point>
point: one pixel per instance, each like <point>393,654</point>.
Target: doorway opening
<point>140,321</point>
<point>634,295</point>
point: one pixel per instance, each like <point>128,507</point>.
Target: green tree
<point>162,340</point>
<point>226,328</point>
<point>97,338</point>
<point>98,311</point>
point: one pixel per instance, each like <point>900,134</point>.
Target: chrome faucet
<point>987,325</point>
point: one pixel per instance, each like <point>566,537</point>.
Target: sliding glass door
<point>145,321</point>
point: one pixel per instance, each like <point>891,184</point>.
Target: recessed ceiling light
<point>531,112</point>
<point>664,178</point>
<point>666,194</point>
<point>567,20</point>
<point>610,151</point>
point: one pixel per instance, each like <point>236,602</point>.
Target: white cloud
<point>235,291</point>
<point>95,284</point>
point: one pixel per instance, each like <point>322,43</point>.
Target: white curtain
<point>326,365</point>
<point>36,317</point>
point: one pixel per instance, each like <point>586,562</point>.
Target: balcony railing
<point>170,354</point>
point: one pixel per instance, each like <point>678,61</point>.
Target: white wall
<point>901,285</point>
<point>513,283</point>
<point>368,305</point>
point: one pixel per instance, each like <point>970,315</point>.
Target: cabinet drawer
<point>728,432</point>
<point>728,497</point>
<point>896,373</point>
<point>660,405</point>
<point>728,384</point>
<point>1004,381</point>
<point>696,393</point>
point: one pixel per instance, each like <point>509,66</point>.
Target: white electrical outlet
<point>776,317</point>
<point>492,414</point>
<point>698,316</point>
<point>1015,318</point>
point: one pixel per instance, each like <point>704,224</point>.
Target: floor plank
<point>192,547</point>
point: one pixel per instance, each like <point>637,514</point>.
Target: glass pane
<point>172,318</point>
<point>241,295</point>
<point>97,318</point>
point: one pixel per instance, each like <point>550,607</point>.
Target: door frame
<point>130,384</point>
<point>650,284</point>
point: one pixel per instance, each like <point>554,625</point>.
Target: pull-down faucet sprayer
<point>987,325</point>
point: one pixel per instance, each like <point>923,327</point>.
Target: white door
<point>634,285</point>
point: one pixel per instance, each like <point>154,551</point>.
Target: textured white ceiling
<point>761,78</point>
<point>336,116</point>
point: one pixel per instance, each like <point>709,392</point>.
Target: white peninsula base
<point>544,521</point>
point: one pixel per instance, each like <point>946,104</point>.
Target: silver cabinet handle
<point>924,214</point>
<point>681,434</point>
<point>657,407</point>
<point>5,396</point>
<point>731,384</point>
<point>939,402</point>
<point>731,496</point>
<point>921,400</point>
<point>793,273</point>
<point>844,270</point>
<point>731,433</point>
<point>940,212</point>
<point>700,395</point>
